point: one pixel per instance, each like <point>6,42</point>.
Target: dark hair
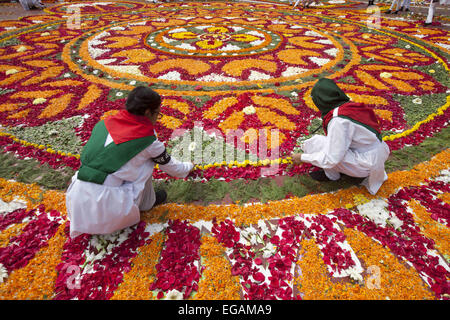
<point>141,99</point>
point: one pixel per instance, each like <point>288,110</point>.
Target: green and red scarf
<point>327,96</point>
<point>358,113</point>
<point>130,133</point>
<point>125,126</point>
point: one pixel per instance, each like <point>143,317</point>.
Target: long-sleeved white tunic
<point>116,204</point>
<point>351,149</point>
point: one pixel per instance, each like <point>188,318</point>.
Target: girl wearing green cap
<point>352,144</point>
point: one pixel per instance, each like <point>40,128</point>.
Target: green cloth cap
<point>326,95</point>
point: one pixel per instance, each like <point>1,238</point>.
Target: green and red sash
<point>358,113</point>
<point>130,133</point>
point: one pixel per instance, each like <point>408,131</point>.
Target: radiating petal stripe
<point>23,247</point>
<point>100,274</point>
<point>179,266</point>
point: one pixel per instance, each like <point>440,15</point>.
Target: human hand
<point>297,158</point>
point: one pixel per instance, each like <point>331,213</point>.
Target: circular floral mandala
<point>221,68</point>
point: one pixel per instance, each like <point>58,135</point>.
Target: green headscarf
<point>326,95</point>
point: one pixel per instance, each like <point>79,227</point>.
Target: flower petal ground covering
<point>223,66</point>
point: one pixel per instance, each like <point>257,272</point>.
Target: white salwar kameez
<point>116,204</point>
<point>350,149</point>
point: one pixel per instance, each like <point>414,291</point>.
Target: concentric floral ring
<point>293,53</point>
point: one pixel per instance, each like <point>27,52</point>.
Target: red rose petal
<point>258,276</point>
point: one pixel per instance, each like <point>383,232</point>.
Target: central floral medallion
<point>223,69</point>
<point>214,40</point>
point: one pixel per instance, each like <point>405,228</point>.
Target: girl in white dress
<point>352,144</point>
<point>114,181</point>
